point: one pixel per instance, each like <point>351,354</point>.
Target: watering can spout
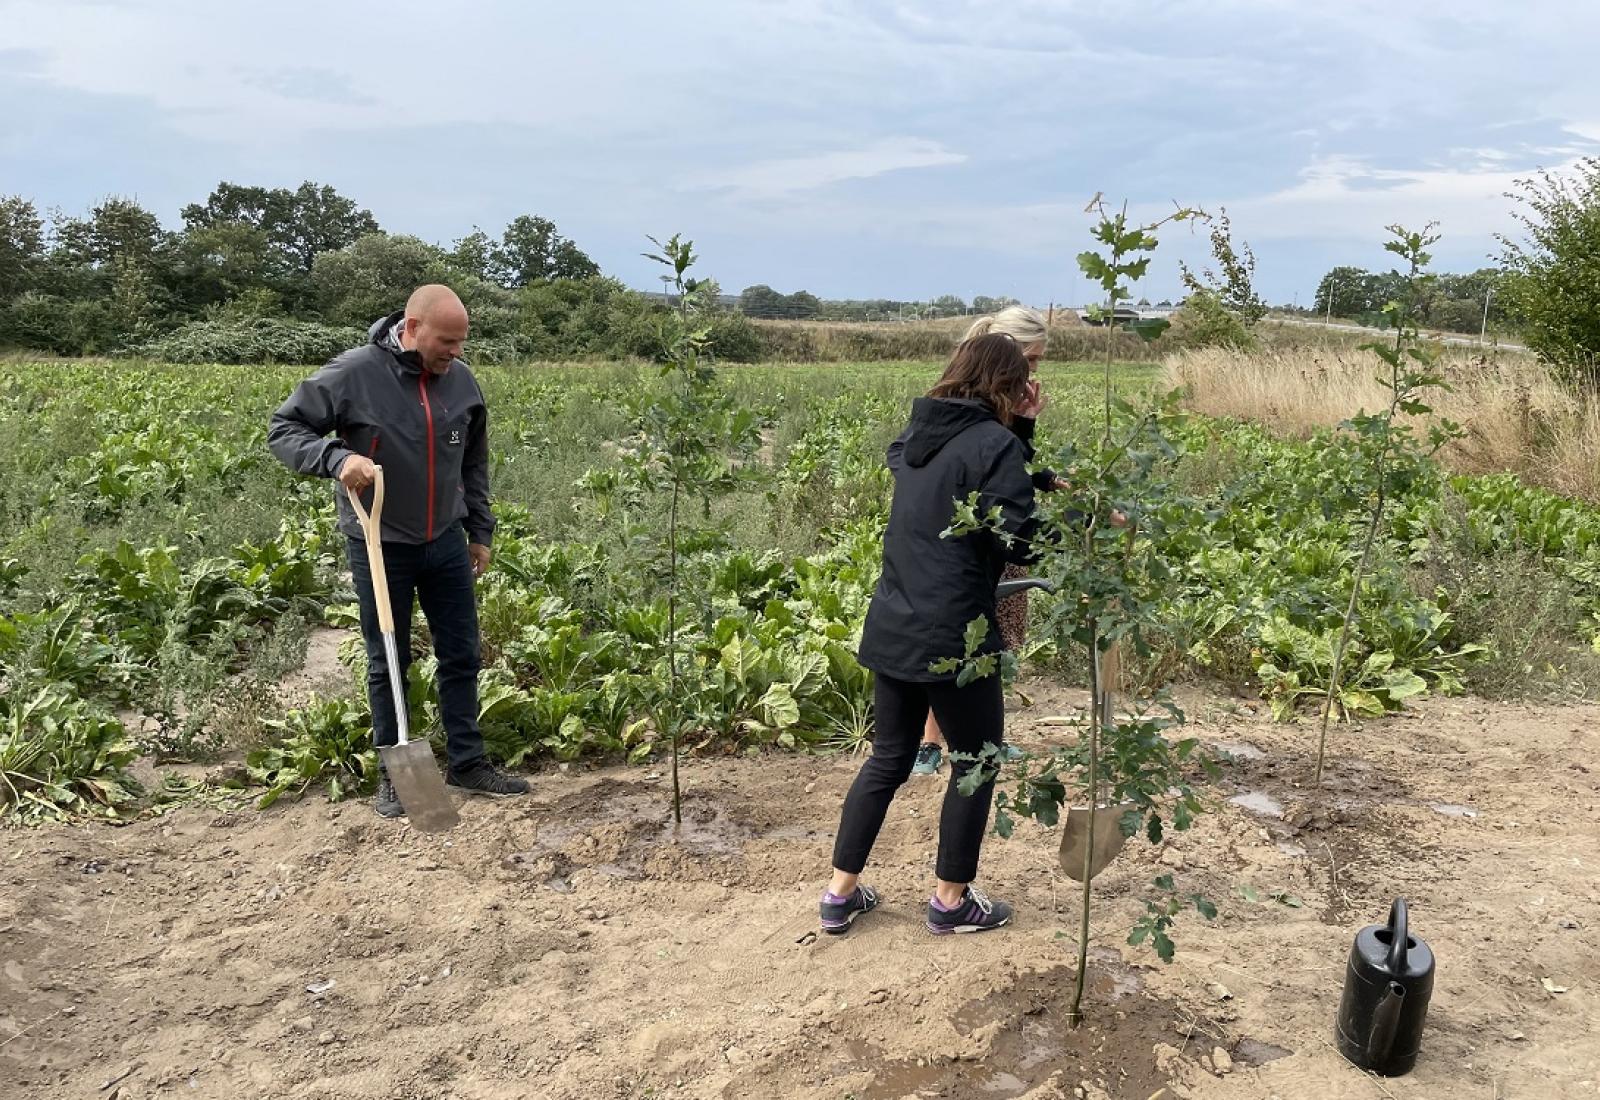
<point>1386,1022</point>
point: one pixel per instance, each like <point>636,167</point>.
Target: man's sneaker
<point>929,757</point>
<point>839,913</point>
<point>386,802</point>
<point>482,777</point>
<point>975,913</point>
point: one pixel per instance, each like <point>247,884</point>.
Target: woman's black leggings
<point>969,717</point>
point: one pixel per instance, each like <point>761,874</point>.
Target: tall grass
<point>1518,417</point>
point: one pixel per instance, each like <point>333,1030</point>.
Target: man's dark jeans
<point>439,575</point>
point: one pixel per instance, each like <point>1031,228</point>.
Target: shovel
<point>1093,836</point>
<point>1107,830</point>
<point>1096,834</point>
<point>410,764</point>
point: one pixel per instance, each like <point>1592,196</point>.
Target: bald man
<point>406,401</point>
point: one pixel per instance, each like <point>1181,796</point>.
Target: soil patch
<point>576,943</point>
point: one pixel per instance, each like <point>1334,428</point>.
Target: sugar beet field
<point>197,900</point>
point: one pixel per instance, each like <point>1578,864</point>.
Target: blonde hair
<point>1024,324</point>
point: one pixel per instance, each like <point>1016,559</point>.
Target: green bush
<point>45,322</point>
<point>1555,272</point>
<point>577,318</point>
<point>252,340</point>
<point>373,277</point>
<point>734,339</point>
<point>1204,322</point>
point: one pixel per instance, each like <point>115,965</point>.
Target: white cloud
<point>1339,196</point>
<point>773,178</point>
<point>747,122</point>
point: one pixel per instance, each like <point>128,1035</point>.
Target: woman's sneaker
<point>839,913</point>
<point>929,757</point>
<point>974,913</point>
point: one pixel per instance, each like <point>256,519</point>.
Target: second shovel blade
<point>416,778</point>
<point>1108,839</point>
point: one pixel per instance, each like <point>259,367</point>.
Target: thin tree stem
<point>672,646</point>
<point>1096,702</point>
<point>1096,707</point>
<point>1344,632</point>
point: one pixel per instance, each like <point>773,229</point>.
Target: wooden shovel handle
<point>371,528</point>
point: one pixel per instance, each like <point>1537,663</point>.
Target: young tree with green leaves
<point>1223,308</point>
<point>691,439</point>
<point>1103,556</point>
<point>1553,282</point>
<point>1389,446</point>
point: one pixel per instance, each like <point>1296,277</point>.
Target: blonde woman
<point>1026,326</point>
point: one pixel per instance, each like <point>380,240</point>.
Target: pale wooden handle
<point>371,527</point>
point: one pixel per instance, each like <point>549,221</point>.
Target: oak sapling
<point>1387,444</point>
<point>1099,549</point>
<point>692,436</point>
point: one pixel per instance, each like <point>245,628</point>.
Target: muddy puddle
<point>1258,802</point>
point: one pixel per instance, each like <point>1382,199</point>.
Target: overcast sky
<point>855,150</point>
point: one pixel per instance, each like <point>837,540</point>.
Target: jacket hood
<point>378,331</point>
<point>381,333</point>
<point>935,421</point>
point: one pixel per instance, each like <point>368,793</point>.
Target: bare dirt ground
<point>570,945</point>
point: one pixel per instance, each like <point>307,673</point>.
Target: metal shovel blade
<point>1108,838</point>
<point>420,787</point>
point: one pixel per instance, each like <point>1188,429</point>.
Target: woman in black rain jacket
<point>959,441</point>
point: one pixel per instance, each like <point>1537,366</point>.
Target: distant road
<point>1442,337</point>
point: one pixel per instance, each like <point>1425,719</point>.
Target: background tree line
<point>258,274</point>
<point>1453,303</point>
<point>762,302</point>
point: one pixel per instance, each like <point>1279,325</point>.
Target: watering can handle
<point>1398,936</point>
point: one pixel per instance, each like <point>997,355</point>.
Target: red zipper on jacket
<point>427,413</point>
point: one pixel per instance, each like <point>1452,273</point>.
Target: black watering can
<point>1386,991</point>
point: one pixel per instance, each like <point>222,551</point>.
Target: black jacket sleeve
<point>475,478</point>
<point>1023,427</point>
<point>1007,486</point>
<point>297,430</point>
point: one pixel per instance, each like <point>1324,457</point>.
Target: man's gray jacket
<point>429,433</point>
